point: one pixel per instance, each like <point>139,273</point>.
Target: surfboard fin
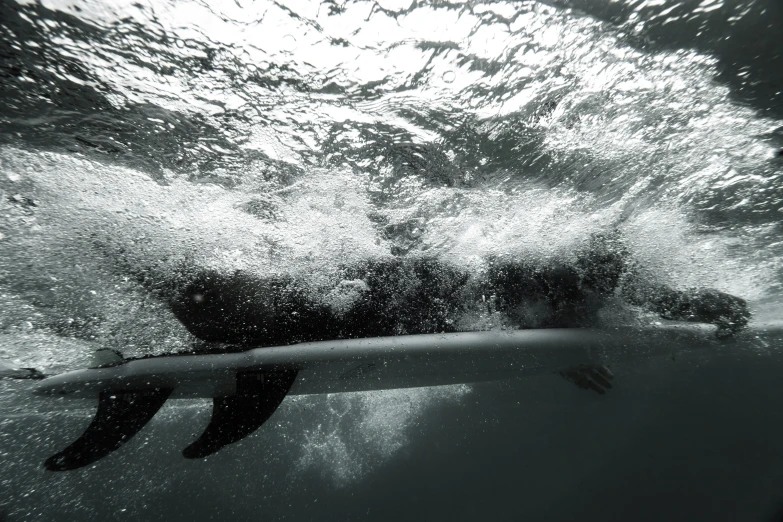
<point>106,358</point>
<point>259,393</point>
<point>119,417</point>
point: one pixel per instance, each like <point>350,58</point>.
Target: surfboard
<point>247,387</point>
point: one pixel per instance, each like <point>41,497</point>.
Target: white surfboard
<point>247,387</point>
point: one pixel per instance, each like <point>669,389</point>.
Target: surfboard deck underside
<point>392,362</point>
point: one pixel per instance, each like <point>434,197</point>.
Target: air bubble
<point>449,76</point>
<point>288,43</point>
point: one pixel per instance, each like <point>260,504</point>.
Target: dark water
<point>290,138</point>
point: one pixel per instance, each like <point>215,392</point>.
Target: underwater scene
<point>423,260</point>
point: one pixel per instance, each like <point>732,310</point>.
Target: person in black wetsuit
<point>426,295</point>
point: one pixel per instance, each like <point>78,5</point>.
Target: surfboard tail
<point>122,414</point>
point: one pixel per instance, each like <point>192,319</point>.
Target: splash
<point>357,432</point>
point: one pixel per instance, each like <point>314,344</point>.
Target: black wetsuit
<point>425,295</point>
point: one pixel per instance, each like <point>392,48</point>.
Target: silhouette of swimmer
<point>425,295</point>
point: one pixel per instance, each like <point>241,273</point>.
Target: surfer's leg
<point>7,372</point>
<point>373,298</point>
<point>242,309</point>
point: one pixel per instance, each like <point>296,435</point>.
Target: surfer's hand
<point>729,313</point>
<point>589,377</point>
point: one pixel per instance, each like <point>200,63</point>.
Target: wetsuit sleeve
<point>705,305</point>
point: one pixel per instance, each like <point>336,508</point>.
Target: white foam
<point>361,431</point>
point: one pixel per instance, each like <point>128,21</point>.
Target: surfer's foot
<point>22,373</point>
<point>589,377</point>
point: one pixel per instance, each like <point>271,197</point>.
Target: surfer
<point>373,298</point>
<point>402,296</point>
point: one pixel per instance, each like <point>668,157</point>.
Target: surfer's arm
<point>704,305</point>
<point>608,264</point>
